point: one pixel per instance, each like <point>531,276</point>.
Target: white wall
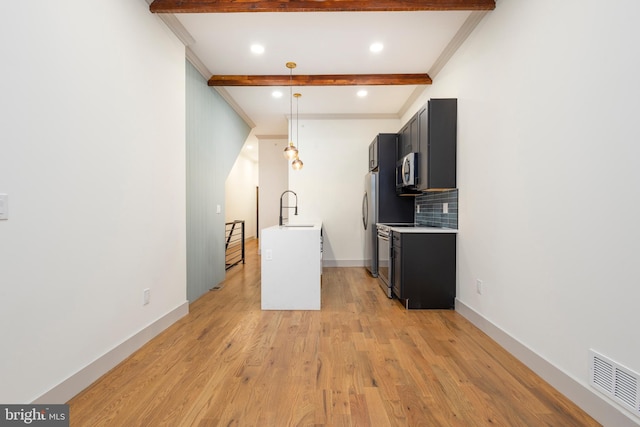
<point>547,173</point>
<point>92,155</point>
<point>272,178</point>
<point>331,184</point>
<point>240,194</point>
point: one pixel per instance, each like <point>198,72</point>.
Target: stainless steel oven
<point>384,251</point>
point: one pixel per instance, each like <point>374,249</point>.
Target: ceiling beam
<point>234,6</point>
<point>322,80</point>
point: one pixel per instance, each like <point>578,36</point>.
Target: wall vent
<point>616,381</point>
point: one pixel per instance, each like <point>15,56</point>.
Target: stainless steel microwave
<point>407,174</point>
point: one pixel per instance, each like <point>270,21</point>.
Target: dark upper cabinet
<point>437,136</point>
<point>373,155</point>
<point>408,138</point>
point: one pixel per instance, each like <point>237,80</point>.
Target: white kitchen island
<point>291,267</point>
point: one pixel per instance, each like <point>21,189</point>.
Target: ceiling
<point>320,42</point>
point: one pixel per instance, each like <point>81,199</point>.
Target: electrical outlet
<point>268,255</point>
<point>445,208</point>
<point>4,206</point>
<point>479,286</point>
<point>417,208</point>
<point>147,296</point>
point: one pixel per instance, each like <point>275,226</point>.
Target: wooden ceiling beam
<point>235,6</point>
<point>322,80</point>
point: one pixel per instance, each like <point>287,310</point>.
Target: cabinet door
<point>408,141</point>
<point>429,270</point>
<point>413,131</point>
<point>423,148</point>
<point>396,264</point>
<point>441,146</point>
<point>373,155</point>
<point>404,141</point>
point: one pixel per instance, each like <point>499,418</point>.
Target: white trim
<point>272,137</point>
<point>364,116</point>
<point>601,410</point>
<point>234,105</point>
<point>467,28</point>
<point>417,92</point>
<point>330,263</point>
<point>177,28</point>
<point>197,64</point>
<point>90,373</point>
<point>206,74</point>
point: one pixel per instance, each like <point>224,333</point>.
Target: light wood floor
<point>361,361</point>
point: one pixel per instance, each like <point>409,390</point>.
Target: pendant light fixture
<point>297,163</point>
<point>291,152</point>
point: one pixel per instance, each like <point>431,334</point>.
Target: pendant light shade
<point>291,152</point>
<point>297,164</point>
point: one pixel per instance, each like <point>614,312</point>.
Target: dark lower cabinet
<point>423,272</point>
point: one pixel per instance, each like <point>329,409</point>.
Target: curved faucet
<point>295,212</point>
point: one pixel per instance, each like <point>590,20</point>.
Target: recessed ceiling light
<point>376,47</point>
<point>276,94</point>
<point>257,49</point>
<point>362,93</point>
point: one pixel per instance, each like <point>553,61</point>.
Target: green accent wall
<point>215,136</point>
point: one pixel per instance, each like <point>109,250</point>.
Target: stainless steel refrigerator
<point>380,202</point>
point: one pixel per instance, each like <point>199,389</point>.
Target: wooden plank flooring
<point>361,361</point>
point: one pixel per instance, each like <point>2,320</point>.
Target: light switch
<point>445,208</point>
<point>218,209</point>
<point>4,206</point>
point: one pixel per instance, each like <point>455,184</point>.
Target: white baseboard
<point>330,263</point>
<point>87,375</point>
<point>603,411</point>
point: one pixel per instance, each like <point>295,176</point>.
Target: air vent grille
<point>616,381</point>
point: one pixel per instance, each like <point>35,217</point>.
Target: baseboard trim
<point>607,414</point>
<point>330,263</point>
<point>73,385</point>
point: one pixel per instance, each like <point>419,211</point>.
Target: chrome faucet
<point>295,212</point>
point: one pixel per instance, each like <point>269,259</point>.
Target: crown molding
<point>467,28</point>
<point>346,116</point>
<point>272,137</point>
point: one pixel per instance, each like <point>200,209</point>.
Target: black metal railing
<point>234,243</point>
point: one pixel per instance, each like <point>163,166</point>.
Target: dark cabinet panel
<point>424,269</point>
<point>373,155</point>
<point>437,144</point>
<point>408,138</point>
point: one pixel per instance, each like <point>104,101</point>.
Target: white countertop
<point>420,229</point>
<point>299,227</point>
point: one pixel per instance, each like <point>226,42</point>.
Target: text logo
<point>34,415</point>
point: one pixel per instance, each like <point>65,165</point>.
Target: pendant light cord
<point>291,102</point>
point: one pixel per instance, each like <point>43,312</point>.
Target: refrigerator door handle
<point>365,210</point>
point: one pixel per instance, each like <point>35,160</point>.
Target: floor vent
<point>619,383</point>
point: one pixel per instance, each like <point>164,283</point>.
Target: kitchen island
<point>291,267</point>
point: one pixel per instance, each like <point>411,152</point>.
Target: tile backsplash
<point>431,209</point>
